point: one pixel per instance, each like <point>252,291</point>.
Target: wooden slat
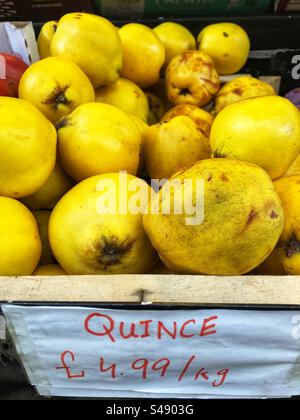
<point>190,290</point>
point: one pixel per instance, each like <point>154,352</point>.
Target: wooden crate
<point>155,289</point>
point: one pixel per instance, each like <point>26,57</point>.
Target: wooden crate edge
<point>156,289</point>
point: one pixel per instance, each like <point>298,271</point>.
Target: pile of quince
<point>107,109</point>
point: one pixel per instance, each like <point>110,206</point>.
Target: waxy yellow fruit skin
<point>191,78</point>
<point>243,220</point>
<point>241,88</point>
<point>44,39</point>
<point>203,119</point>
<point>27,148</point>
<point>127,96</point>
<point>20,244</point>
<point>87,240</point>
<point>42,218</point>
<point>294,168</point>
<point>56,87</point>
<point>250,132</point>
<point>176,39</point>
<point>287,253</point>
<point>91,42</point>
<point>144,54</point>
<point>96,139</point>
<point>49,270</point>
<point>174,145</point>
<point>227,44</point>
<point>51,192</point>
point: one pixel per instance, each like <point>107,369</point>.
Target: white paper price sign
<point>71,351</point>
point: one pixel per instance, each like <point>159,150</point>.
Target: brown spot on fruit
<point>226,35</point>
<point>58,97</point>
<point>112,250</point>
<point>224,178</point>
<point>238,91</point>
<point>274,215</point>
<point>137,94</point>
<point>252,216</point>
<point>185,56</point>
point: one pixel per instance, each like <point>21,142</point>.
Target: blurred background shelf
<point>266,32</point>
<point>39,9</point>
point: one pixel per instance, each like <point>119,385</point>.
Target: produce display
<point>229,57</point>
<point>243,87</point>
<point>123,152</point>
<point>271,126</point>
<point>231,240</point>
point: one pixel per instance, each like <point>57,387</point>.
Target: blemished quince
<point>56,87</point>
<point>294,168</point>
<point>125,95</point>
<point>264,131</point>
<point>91,42</point>
<point>191,78</point>
<point>20,244</point>
<point>156,108</point>
<point>144,54</point>
<point>51,192</point>
<point>45,37</point>
<point>241,88</point>
<point>243,220</point>
<point>203,119</point>
<point>176,39</point>
<point>96,139</point>
<point>287,253</point>
<point>42,218</point>
<point>27,148</point>
<point>49,270</point>
<point>174,145</point>
<point>87,239</point>
<point>227,44</point>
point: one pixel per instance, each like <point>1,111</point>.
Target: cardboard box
<point>182,8</point>
<point>19,38</point>
<point>41,10</point>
